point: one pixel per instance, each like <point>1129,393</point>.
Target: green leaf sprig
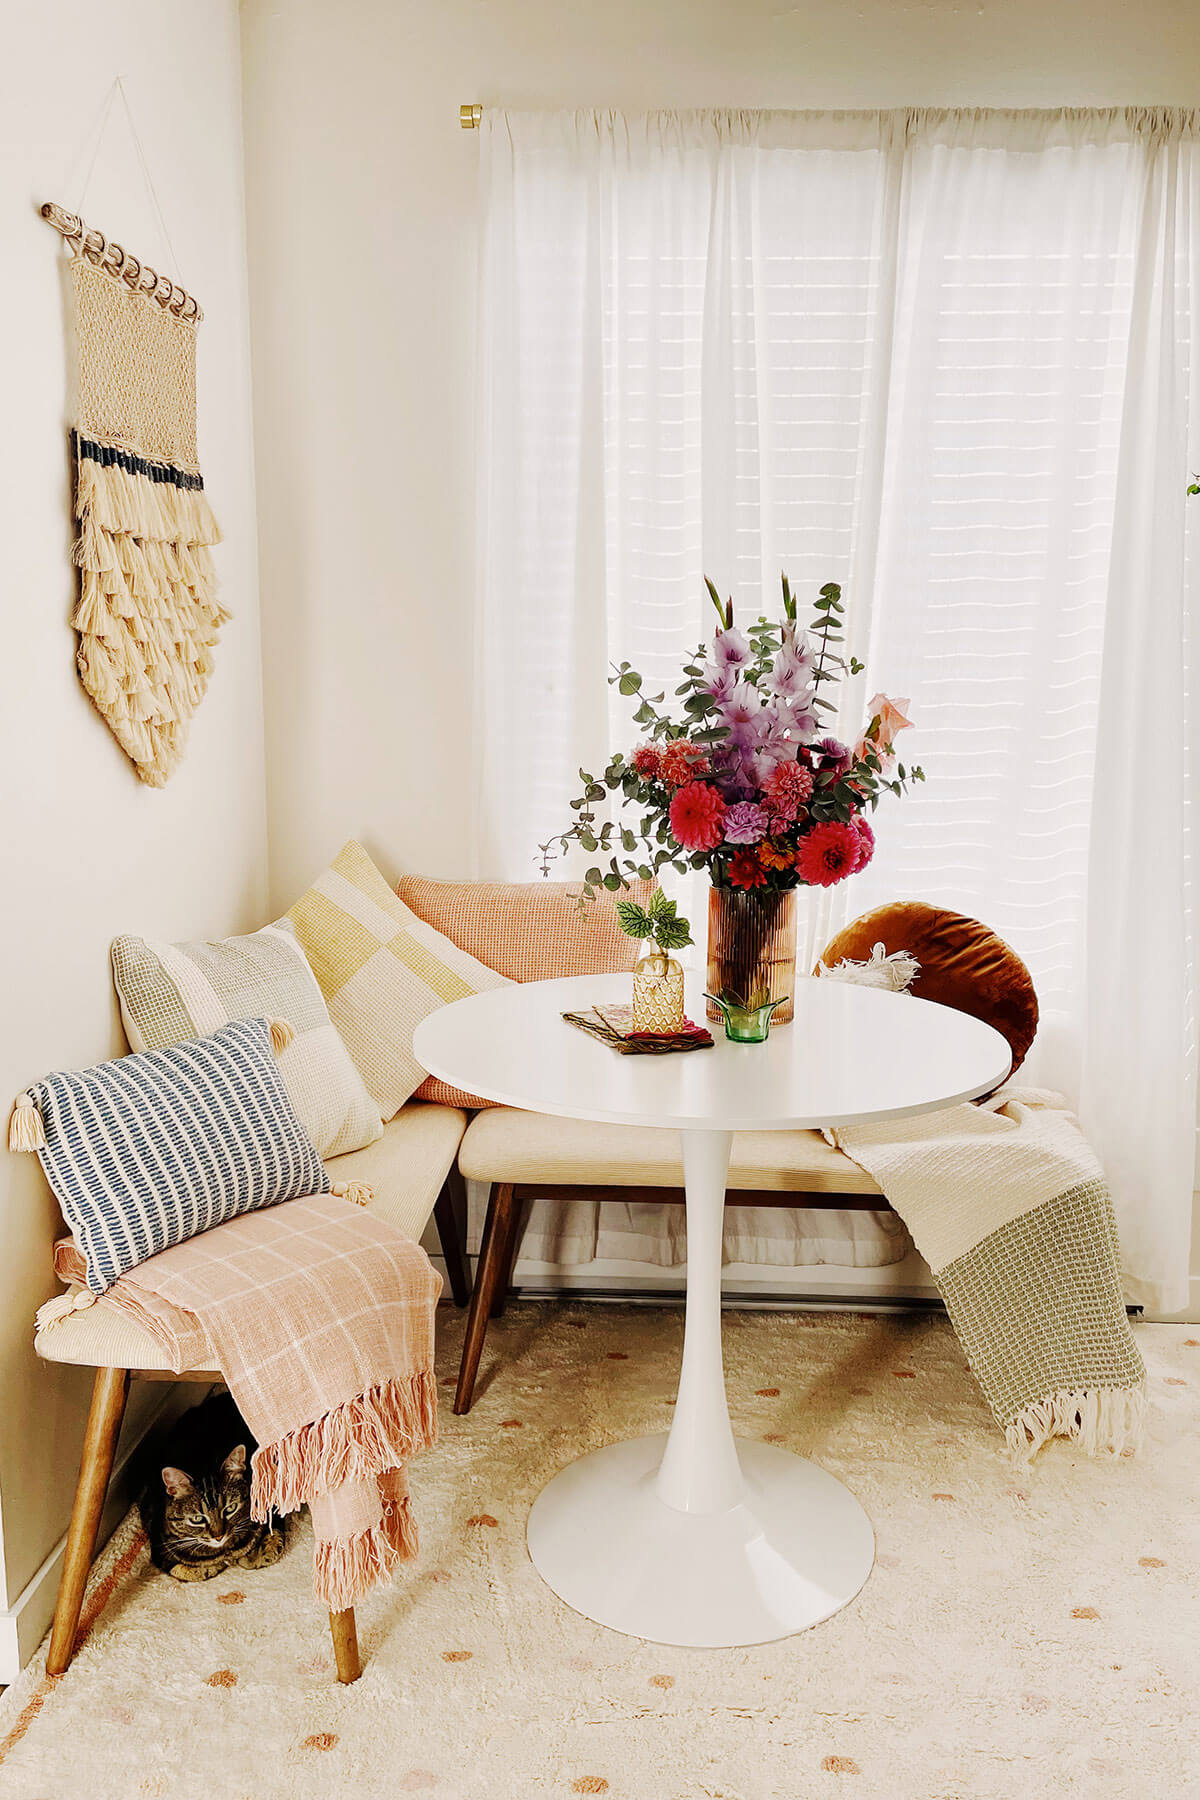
<point>658,922</point>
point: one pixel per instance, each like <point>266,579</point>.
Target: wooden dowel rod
<point>115,260</point>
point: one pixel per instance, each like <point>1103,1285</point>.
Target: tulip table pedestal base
<point>691,1537</point>
<point>796,1548</point>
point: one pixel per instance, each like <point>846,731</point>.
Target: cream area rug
<point>1026,1632</point>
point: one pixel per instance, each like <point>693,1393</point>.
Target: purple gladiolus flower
<point>745,823</point>
<point>800,718</point>
<point>719,682</point>
<point>740,712</point>
<point>791,672</point>
<point>730,649</point>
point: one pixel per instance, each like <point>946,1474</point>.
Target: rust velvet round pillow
<point>963,965</point>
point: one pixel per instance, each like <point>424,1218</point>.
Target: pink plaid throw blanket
<point>320,1319</point>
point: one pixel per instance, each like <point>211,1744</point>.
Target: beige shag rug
<point>1027,1633</point>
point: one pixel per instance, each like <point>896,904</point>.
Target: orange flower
<point>775,856</point>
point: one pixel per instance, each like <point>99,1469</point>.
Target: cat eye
<point>196,1519</point>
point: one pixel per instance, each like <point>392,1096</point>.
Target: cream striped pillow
<point>381,969</point>
<point>172,992</point>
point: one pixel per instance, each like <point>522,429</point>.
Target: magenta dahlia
<point>697,815</point>
<point>827,854</point>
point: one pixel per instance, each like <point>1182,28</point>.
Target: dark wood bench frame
<point>506,1216</point>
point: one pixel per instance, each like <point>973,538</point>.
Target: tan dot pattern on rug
<point>1026,1633</point>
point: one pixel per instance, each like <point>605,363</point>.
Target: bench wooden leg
<point>109,1393</point>
<point>491,1266</point>
<point>450,1216</point>
<point>509,1249</point>
<point>344,1632</point>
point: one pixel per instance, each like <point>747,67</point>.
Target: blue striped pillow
<point>148,1150</point>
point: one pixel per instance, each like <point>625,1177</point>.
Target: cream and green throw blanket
<point>1009,1207</point>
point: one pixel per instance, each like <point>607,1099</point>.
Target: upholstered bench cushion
<point>504,1144</point>
<point>405,1168</point>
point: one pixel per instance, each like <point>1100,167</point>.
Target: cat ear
<point>176,1482</point>
<point>235,1462</point>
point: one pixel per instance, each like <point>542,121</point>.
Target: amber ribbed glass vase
<point>752,947</point>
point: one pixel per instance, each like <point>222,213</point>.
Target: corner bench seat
<point>406,1168</point>
<point>503,1144</point>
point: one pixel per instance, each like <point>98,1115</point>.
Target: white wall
<point>87,850</point>
<point>361,202</point>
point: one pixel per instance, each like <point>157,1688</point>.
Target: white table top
<point>850,1056</point>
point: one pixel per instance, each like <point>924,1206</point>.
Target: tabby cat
<point>196,1502</point>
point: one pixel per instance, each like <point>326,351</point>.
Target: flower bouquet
<point>746,784</point>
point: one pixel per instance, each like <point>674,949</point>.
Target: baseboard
<point>1189,1316</point>
<point>26,1622</point>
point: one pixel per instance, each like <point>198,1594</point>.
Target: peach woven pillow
<point>525,931</point>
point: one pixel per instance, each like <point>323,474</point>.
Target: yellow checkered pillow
<point>381,969</point>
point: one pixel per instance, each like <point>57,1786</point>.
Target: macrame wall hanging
<point>147,614</point>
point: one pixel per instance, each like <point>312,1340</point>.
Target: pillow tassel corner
<point>25,1128</point>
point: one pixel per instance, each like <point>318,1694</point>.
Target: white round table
<point>692,1537</point>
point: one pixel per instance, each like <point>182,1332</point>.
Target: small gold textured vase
<point>658,993</point>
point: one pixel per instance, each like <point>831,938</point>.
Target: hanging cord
<point>149,179</point>
<point>165,289</point>
<point>115,92</point>
<point>97,140</point>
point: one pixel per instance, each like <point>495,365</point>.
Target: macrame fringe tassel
<point>1103,1421</point>
<point>147,613</point>
<point>25,1128</point>
<point>895,973</point>
<point>379,1430</point>
<point>282,1034</point>
<point>357,1192</point>
<point>346,1569</point>
<point>61,1307</point>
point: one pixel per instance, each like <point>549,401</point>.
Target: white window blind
<point>946,360</point>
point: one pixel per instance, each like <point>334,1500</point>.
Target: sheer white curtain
<point>947,359</point>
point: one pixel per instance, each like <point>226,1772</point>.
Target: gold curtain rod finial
<point>469,117</point>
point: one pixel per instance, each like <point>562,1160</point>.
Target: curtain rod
<point>470,116</point>
<point>114,260</point>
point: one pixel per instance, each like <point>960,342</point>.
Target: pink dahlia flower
<point>787,788</point>
<point>827,854</point>
<point>866,840</point>
<point>745,823</point>
<point>697,815</point>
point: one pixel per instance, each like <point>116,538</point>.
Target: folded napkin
<point>613,1025</point>
<point>320,1317</point>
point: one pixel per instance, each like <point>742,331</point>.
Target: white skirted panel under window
<point>949,361</point>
